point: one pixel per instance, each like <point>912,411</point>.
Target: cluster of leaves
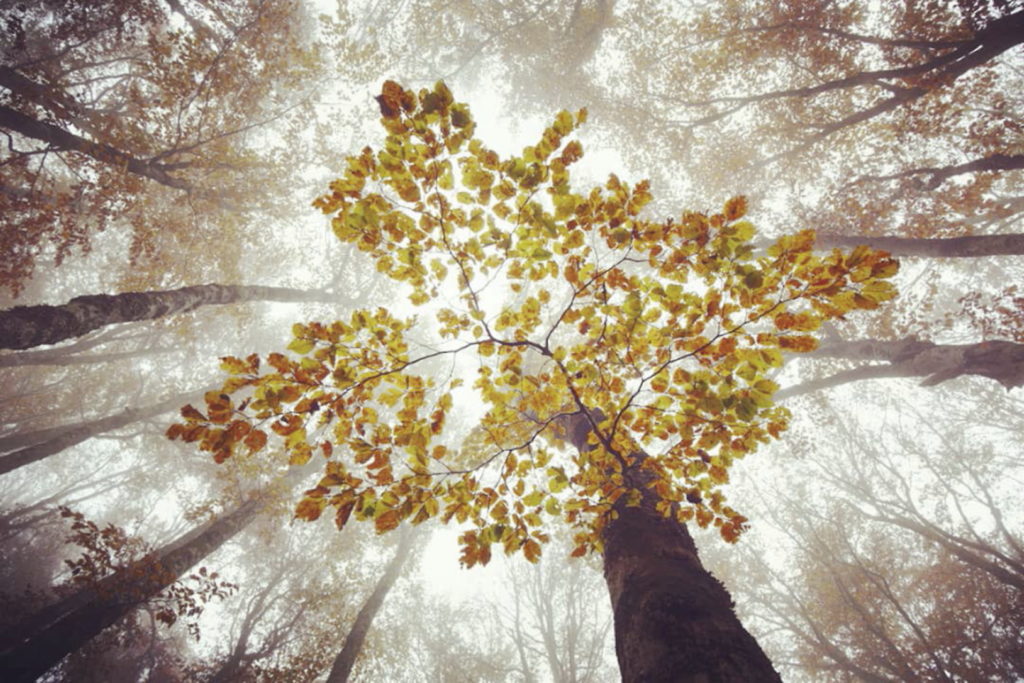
<point>996,316</point>
<point>116,113</point>
<point>617,357</point>
<point>108,551</point>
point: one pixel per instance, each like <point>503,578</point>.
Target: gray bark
<point>674,621</point>
<point>1002,361</point>
<point>973,246</point>
<point>24,327</point>
<point>35,446</point>
<point>58,138</point>
<point>346,659</point>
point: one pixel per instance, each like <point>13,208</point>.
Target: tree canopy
<point>659,334</point>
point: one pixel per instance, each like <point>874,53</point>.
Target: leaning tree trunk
<point>32,447</point>
<point>41,641</point>
<point>1002,361</point>
<point>23,327</point>
<point>972,246</point>
<point>346,659</point>
<point>63,139</point>
<point>674,621</point>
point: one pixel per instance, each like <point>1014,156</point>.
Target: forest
<point>566,341</point>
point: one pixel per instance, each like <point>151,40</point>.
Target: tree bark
<point>40,642</point>
<point>24,327</point>
<point>346,659</point>
<point>1002,361</point>
<point>35,446</point>
<point>973,246</point>
<point>674,621</point>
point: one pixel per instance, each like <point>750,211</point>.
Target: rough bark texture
<point>35,446</point>
<point>973,246</point>
<point>1002,361</point>
<point>346,659</point>
<point>674,621</point>
<point>23,327</point>
<point>39,642</point>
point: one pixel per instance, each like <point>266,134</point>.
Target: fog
<point>558,340</point>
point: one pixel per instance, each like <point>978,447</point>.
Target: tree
<point>22,449</point>
<point>342,665</point>
<point>558,615</point>
<point>28,326</point>
<point>1000,360</point>
<point>41,640</point>
<point>970,246</point>
<point>620,365</point>
<point>902,558</point>
<point>121,115</point>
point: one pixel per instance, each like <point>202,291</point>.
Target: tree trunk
<point>59,138</point>
<point>35,446</point>
<point>674,621</point>
<point>23,327</point>
<point>1002,361</point>
<point>973,246</point>
<point>62,358</point>
<point>40,642</point>
<point>346,659</point>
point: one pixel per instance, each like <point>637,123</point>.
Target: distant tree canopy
<point>142,115</point>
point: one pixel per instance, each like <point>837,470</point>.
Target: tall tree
<point>28,326</point>
<point>120,114</point>
<point>341,667</point>
<point>641,395</point>
<point>27,448</point>
<point>1000,360</point>
<point>40,641</point>
<point>907,554</point>
<point>555,612</point>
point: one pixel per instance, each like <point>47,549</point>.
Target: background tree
<point>143,116</point>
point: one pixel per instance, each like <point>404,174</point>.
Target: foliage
<point>659,335</point>
<point>140,115</point>
<point>109,551</point>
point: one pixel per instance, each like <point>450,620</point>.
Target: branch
<point>940,174</point>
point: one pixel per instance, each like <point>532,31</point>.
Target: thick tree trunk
<point>1002,361</point>
<point>39,643</point>
<point>35,446</point>
<point>674,621</point>
<point>23,327</point>
<point>973,246</point>
<point>346,659</point>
